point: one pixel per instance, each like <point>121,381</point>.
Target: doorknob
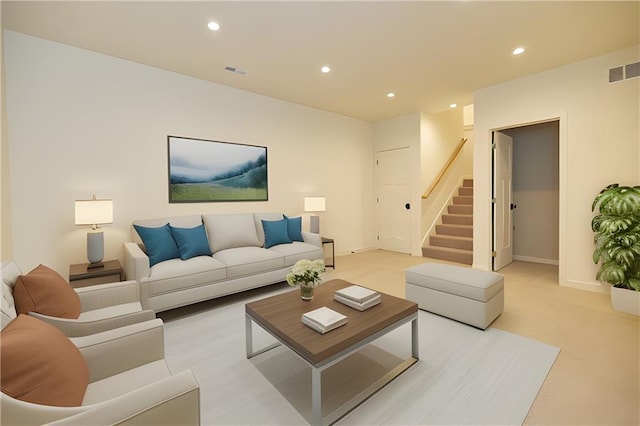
<point>407,206</point>
<point>513,206</point>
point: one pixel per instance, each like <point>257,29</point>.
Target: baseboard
<point>536,260</point>
<point>356,250</point>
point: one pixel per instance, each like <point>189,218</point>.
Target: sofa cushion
<point>259,217</point>
<point>275,232</point>
<point>43,290</point>
<point>294,228</point>
<point>230,230</point>
<point>243,261</point>
<point>40,364</point>
<point>296,251</point>
<point>180,221</point>
<point>175,274</point>
<point>191,242</point>
<point>158,243</point>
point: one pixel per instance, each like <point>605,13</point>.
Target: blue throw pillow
<point>294,228</point>
<point>275,232</point>
<point>159,243</point>
<point>192,242</point>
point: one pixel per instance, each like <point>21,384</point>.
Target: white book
<point>323,319</point>
<point>357,293</point>
<point>355,305</point>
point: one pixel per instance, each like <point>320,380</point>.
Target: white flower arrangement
<point>306,271</point>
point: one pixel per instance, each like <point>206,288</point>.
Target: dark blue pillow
<point>294,228</point>
<point>159,243</point>
<point>192,242</point>
<point>275,232</point>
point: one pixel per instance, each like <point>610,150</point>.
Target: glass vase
<point>306,291</point>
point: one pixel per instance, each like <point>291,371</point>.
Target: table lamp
<point>314,204</point>
<point>94,212</point>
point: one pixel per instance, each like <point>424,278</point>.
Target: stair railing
<point>444,170</point>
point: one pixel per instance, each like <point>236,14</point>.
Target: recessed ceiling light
<point>390,95</point>
<point>518,51</point>
<point>453,105</point>
<point>213,26</point>
<point>325,69</point>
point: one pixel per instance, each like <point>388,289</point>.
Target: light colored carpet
<point>464,376</point>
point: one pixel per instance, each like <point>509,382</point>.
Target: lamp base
<point>95,265</point>
<point>314,224</point>
<point>95,248</point>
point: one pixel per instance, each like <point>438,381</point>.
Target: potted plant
<point>617,244</point>
<point>306,274</point>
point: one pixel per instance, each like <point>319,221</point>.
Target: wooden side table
<point>333,251</point>
<point>81,276</point>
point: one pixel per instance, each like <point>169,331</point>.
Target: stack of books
<point>357,297</point>
<point>323,319</point>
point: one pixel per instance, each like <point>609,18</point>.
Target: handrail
<point>444,169</point>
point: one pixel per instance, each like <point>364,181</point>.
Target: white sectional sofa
<point>245,250</point>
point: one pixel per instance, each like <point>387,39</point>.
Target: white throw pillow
<point>230,230</point>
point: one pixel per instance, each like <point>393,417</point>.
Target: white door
<point>394,198</point>
<point>503,202</point>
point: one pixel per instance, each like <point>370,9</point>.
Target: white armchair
<point>129,383</point>
<point>103,307</point>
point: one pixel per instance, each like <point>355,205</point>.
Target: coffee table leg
<point>316,395</point>
<point>248,333</point>
<point>415,351</point>
<point>248,336</point>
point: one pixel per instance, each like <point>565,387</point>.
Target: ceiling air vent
<point>235,70</point>
<point>616,74</point>
<point>632,70</point>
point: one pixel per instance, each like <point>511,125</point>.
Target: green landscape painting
<point>209,171</point>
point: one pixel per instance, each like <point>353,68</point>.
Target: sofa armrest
<point>105,295</point>
<point>136,262</point>
<point>115,351</point>
<point>77,328</point>
<point>171,401</point>
<point>311,238</point>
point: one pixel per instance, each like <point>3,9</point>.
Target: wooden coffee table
<point>281,316</point>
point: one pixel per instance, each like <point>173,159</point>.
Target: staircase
<point>453,239</point>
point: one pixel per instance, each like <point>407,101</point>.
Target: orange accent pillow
<point>43,290</point>
<point>40,364</point>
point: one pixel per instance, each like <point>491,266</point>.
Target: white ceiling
<point>430,54</point>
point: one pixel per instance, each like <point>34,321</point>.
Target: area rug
<point>464,375</point>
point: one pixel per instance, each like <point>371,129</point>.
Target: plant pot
<point>306,291</point>
<point>625,300</point>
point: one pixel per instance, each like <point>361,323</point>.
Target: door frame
<point>562,177</point>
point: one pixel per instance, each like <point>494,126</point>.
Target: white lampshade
<point>314,204</point>
<point>94,212</point>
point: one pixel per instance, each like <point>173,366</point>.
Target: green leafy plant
<point>617,236</point>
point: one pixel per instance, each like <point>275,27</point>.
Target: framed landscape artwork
<point>212,171</point>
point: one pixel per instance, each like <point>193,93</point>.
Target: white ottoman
<point>467,295</point>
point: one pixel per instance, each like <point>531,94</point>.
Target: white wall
<point>599,144</point>
<point>536,192</point>
<point>81,123</point>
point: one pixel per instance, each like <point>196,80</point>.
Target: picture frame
<point>204,171</point>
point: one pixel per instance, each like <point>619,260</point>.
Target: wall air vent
<point>235,70</point>
<point>616,74</point>
<point>632,70</point>
<point>624,72</point>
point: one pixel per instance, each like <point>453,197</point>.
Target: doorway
<point>533,234</point>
